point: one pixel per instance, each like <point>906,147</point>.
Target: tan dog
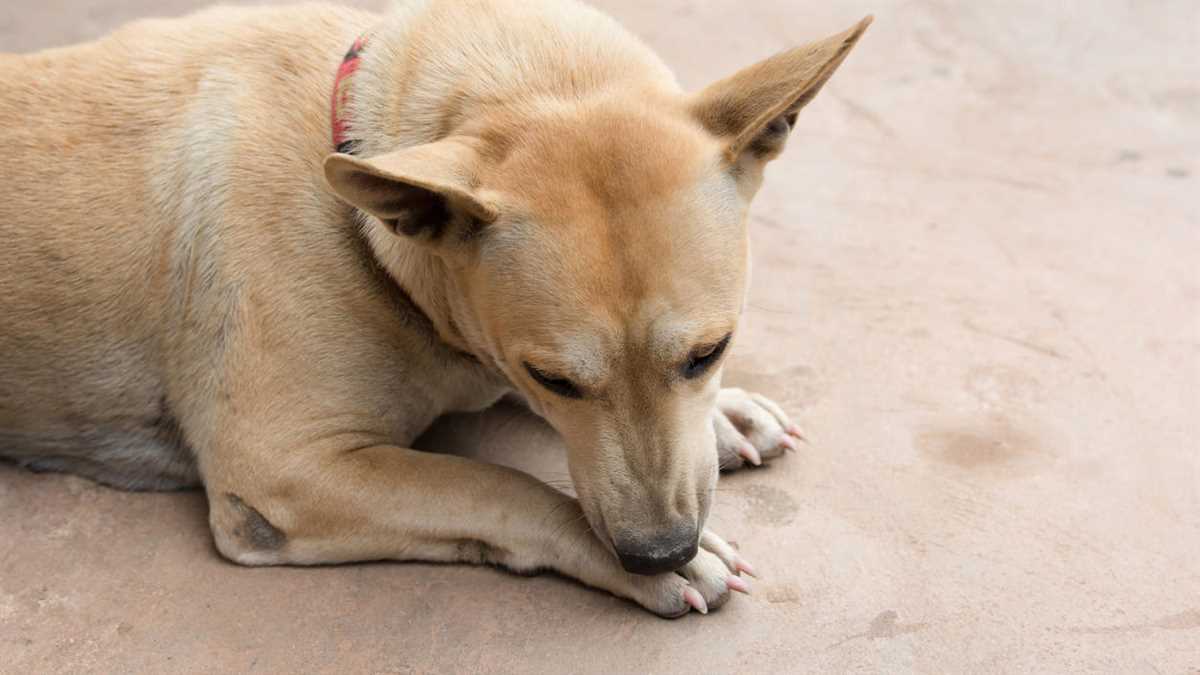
<point>194,288</point>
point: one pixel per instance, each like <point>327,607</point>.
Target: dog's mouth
<point>595,520</point>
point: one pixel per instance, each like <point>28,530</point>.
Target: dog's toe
<point>751,429</point>
<point>715,571</point>
<point>703,584</point>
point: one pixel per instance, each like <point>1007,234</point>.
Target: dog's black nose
<point>658,554</point>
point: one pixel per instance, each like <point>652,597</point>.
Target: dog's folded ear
<point>428,192</point>
<point>754,110</point>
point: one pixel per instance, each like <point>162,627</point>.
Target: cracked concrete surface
<point>976,284</point>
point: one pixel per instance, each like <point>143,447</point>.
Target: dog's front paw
<point>751,429</point>
<point>704,583</point>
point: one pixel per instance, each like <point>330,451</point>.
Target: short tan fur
<point>198,290</point>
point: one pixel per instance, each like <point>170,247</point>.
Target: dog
<point>236,256</point>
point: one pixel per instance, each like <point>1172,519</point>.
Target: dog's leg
<point>393,503</point>
<point>751,429</point>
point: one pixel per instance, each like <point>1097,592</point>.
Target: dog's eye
<point>559,385</point>
<point>702,359</point>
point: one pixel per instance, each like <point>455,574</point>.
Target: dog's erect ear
<point>427,192</point>
<point>755,110</point>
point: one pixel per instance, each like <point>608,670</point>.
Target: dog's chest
<point>423,379</point>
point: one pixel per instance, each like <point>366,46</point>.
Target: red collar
<point>341,97</point>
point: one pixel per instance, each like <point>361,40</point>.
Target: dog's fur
<point>194,289</point>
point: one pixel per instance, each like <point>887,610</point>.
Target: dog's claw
<point>750,454</point>
<point>742,566</point>
<point>738,584</point>
<point>796,432</point>
<point>693,597</point>
<point>788,444</point>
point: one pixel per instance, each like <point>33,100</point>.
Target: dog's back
<point>114,162</point>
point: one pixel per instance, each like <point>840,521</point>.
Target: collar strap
<point>341,97</point>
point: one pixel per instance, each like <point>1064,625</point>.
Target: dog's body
<point>187,301</point>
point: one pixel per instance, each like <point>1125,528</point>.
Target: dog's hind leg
<point>392,503</point>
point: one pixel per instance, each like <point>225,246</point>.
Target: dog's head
<point>599,254</point>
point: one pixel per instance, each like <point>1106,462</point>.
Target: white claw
<point>693,597</point>
<point>737,584</point>
<point>750,454</point>
<point>742,566</point>
<point>796,432</point>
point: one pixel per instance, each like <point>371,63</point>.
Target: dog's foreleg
<point>393,503</point>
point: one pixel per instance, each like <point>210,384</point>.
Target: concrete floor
<point>976,283</point>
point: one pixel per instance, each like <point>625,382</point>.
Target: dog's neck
<point>421,274</point>
<point>428,283</point>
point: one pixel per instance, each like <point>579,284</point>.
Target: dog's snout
<point>656,554</point>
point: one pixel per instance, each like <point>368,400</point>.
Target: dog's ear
<point>754,110</point>
<point>428,192</point>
